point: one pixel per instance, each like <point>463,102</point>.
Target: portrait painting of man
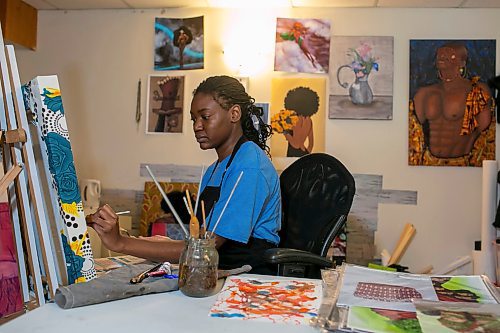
<point>451,108</point>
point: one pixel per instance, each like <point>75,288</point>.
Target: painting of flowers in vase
<point>361,78</point>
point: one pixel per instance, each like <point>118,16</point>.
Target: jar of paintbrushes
<point>198,268</point>
<point>199,260</point>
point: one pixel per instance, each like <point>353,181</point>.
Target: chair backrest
<point>317,192</point>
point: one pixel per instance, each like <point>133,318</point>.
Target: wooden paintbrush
<point>194,225</point>
<point>203,230</point>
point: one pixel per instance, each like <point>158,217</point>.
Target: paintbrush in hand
<point>88,220</point>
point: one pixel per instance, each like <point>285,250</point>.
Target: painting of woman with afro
<point>296,120</point>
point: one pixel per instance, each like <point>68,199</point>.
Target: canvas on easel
<point>44,98</point>
<point>34,255</point>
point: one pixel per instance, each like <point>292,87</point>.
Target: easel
<point>21,181</point>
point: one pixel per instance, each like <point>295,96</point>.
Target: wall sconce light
<point>248,40</point>
<point>243,61</point>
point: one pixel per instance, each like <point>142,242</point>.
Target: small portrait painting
<point>362,78</point>
<point>178,43</point>
<point>451,108</point>
<point>165,104</point>
<point>302,45</point>
<point>264,116</point>
<point>265,110</point>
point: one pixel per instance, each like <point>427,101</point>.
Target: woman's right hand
<point>105,223</point>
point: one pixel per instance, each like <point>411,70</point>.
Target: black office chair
<point>317,192</point>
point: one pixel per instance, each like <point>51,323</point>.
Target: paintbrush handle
<point>198,192</point>
<point>194,227</point>
<point>221,273</point>
<point>141,276</point>
<point>227,202</point>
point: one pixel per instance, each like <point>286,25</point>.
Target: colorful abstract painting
<point>10,288</point>
<point>178,43</point>
<point>292,301</point>
<point>302,45</point>
<point>165,104</point>
<point>44,98</point>
<point>297,116</point>
<point>361,79</point>
<point>451,109</point>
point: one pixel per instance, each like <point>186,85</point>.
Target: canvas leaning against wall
<point>43,96</point>
<point>297,116</point>
<point>179,43</point>
<point>302,45</point>
<point>361,79</point>
<point>165,104</point>
<point>451,109</point>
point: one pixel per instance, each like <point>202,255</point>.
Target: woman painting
<point>221,112</point>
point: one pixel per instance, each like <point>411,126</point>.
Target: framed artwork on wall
<point>178,43</point>
<point>165,104</point>
<point>302,45</point>
<point>297,116</point>
<point>451,108</point>
<point>361,79</point>
<point>265,114</point>
<point>265,110</point>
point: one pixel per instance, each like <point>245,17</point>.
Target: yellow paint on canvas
<point>70,208</point>
<point>279,89</point>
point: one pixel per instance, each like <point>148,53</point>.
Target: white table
<point>166,312</point>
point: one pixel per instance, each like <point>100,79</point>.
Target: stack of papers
<point>369,300</point>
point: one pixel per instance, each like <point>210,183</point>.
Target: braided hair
<point>227,92</point>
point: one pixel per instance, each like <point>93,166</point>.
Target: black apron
<point>234,254</point>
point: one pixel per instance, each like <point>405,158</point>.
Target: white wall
<point>100,55</point>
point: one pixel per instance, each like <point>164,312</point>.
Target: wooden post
<point>13,156</point>
<point>9,177</point>
<point>35,189</point>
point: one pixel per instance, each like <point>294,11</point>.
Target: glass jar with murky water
<point>198,268</point>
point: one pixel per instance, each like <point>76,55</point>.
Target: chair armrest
<point>291,256</point>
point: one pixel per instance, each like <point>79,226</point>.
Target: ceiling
<point>151,4</point>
